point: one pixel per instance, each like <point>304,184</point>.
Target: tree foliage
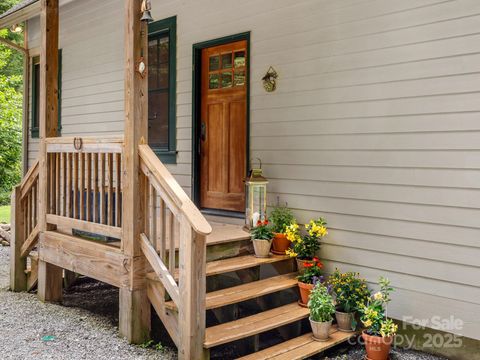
<point>11,89</point>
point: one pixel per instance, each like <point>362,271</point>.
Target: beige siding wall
<point>374,125</point>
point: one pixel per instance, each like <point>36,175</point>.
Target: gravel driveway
<point>30,329</point>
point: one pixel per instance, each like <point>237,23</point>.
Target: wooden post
<point>26,97</point>
<point>18,278</point>
<point>192,283</point>
<point>134,317</point>
<point>49,276</point>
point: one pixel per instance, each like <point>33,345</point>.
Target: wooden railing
<point>85,184</point>
<point>25,229</point>
<point>174,226</point>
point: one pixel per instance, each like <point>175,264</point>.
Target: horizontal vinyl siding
<point>374,125</point>
<point>92,68</point>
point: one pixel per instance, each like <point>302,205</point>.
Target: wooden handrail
<point>168,183</point>
<point>30,177</point>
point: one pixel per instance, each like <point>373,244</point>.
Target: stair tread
<point>251,290</point>
<point>232,264</point>
<point>300,347</point>
<point>255,324</point>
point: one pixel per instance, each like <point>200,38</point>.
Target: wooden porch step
<point>232,264</point>
<point>236,294</point>
<point>301,347</point>
<point>255,324</point>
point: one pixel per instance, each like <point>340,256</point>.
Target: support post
<point>18,278</point>
<point>134,317</point>
<point>192,283</point>
<point>49,276</point>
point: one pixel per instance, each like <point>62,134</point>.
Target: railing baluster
<point>57,183</point>
<point>171,237</point>
<point>110,189</point>
<point>75,185</point>
<point>152,214</point>
<point>118,192</point>
<point>64,184</point>
<point>68,188</point>
<point>102,188</point>
<point>81,158</point>
<point>161,240</point>
<point>89,186</point>
<point>96,213</point>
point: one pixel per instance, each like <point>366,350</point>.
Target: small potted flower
<point>305,246</point>
<point>322,308</point>
<point>262,236</point>
<point>281,217</point>
<point>351,293</point>
<point>308,279</point>
<point>380,330</point>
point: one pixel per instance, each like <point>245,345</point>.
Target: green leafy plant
<point>306,244</point>
<point>262,231</point>
<point>321,304</point>
<point>281,217</point>
<point>313,272</point>
<point>350,290</point>
<point>374,314</point>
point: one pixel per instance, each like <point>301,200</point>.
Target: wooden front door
<point>223,126</point>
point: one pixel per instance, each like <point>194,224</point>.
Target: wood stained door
<point>223,126</point>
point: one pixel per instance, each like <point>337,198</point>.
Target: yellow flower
<point>378,296</point>
<point>291,253</point>
<point>367,323</point>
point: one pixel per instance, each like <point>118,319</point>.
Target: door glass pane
<point>239,78</point>
<point>163,49</point>
<point>226,79</point>
<point>239,59</point>
<point>227,61</point>
<point>162,76</point>
<point>158,119</point>
<point>214,63</point>
<point>213,82</point>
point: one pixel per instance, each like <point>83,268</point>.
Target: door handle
<point>203,131</point>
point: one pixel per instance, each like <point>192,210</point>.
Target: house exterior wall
<point>374,125</point>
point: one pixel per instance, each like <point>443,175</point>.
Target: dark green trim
<point>169,25</point>
<point>196,108</point>
<point>35,131</point>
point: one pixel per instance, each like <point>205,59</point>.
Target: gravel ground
<point>30,329</point>
<point>85,327</point>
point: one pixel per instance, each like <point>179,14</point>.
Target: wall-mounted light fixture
<point>17,28</point>
<point>146,14</point>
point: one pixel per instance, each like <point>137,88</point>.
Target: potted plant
<point>262,236</point>
<point>308,279</point>
<point>351,293</point>
<point>380,330</point>
<point>306,244</point>
<point>281,217</point>
<point>322,309</point>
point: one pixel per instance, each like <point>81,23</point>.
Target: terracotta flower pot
<point>345,321</point>
<point>377,347</point>
<point>262,248</point>
<point>280,244</point>
<point>301,265</point>
<point>321,330</point>
<point>305,290</point>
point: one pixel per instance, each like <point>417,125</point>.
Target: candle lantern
<point>256,197</point>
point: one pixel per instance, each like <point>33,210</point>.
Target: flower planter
<point>301,264</point>
<point>280,244</point>
<point>305,290</point>
<point>321,330</point>
<point>345,321</point>
<point>262,248</point>
<point>377,347</point>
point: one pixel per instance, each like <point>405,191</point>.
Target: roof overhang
<point>20,13</point>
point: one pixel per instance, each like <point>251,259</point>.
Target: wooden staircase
<point>263,320</point>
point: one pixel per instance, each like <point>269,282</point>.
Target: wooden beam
<point>49,276</point>
<point>156,295</point>
<point>90,258</point>
<point>31,241</point>
<point>26,102</point>
<point>18,278</point>
<point>134,323</point>
<point>14,46</point>
<point>69,224</point>
<point>21,15</point>
<point>192,282</point>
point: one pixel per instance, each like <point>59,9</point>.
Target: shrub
<point>281,217</point>
<point>351,291</point>
<point>321,304</point>
<point>262,231</point>
<point>304,246</point>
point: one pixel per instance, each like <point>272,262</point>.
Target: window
<point>223,72</point>
<point>162,89</point>
<point>36,95</point>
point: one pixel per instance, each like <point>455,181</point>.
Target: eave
<point>20,15</point>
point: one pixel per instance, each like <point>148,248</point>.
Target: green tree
<point>11,89</point>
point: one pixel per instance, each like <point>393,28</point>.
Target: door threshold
<point>224,217</point>
<point>223,213</point>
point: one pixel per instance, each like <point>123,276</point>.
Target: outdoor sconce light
<point>146,15</point>
<point>270,80</point>
<point>255,197</point>
<point>16,28</point>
